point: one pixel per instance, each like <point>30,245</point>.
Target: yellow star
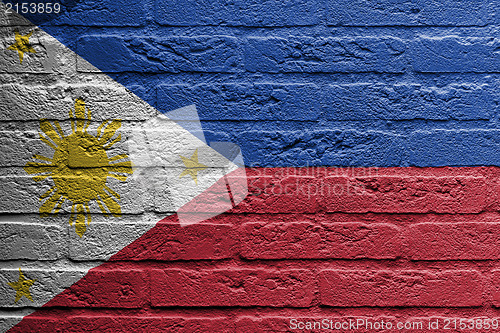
<point>22,45</point>
<point>22,287</point>
<point>192,166</point>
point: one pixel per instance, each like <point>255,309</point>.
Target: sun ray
<point>59,129</point>
<point>59,205</point>
<point>80,226</point>
<point>110,131</point>
<point>36,167</point>
<point>48,206</point>
<point>89,114</point>
<point>72,120</point>
<point>118,157</point>
<point>39,178</point>
<point>79,125</point>
<point>99,129</point>
<point>47,193</point>
<point>72,216</point>
<point>47,142</point>
<point>122,167</point>
<point>80,114</point>
<point>50,131</point>
<point>86,126</point>
<point>113,207</point>
<point>88,119</point>
<point>43,158</point>
<point>79,109</point>
<point>87,213</point>
<point>109,145</point>
<point>103,210</point>
<point>41,170</point>
<point>113,193</point>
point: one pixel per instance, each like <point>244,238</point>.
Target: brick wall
<point>383,79</point>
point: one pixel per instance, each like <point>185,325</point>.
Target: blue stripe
<point>292,91</point>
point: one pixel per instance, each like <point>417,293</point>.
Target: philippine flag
<point>107,163</point>
<point>249,166</point>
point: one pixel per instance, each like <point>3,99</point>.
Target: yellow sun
<point>80,167</point>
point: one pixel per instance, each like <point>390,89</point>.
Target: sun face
<point>80,167</point>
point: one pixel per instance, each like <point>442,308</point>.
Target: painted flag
<point>371,142</point>
<point>96,156</point>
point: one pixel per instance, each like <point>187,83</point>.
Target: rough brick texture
<point>371,135</point>
<point>324,55</point>
<point>415,13</point>
<point>153,55</point>
<point>405,288</point>
<point>107,288</point>
<point>465,241</point>
<point>248,13</point>
<point>311,241</point>
<point>454,54</point>
<point>337,102</point>
<point>232,287</point>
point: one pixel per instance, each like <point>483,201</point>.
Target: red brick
<point>118,323</point>
<point>445,241</point>
<point>189,325</point>
<point>495,206</point>
<point>111,324</point>
<point>106,288</point>
<point>453,288</point>
<point>265,324</point>
<point>412,194</point>
<point>37,323</point>
<point>169,241</point>
<point>495,282</point>
<point>151,324</point>
<point>306,240</point>
<point>278,194</point>
<point>232,287</point>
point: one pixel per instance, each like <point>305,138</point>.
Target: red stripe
<point>300,239</point>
